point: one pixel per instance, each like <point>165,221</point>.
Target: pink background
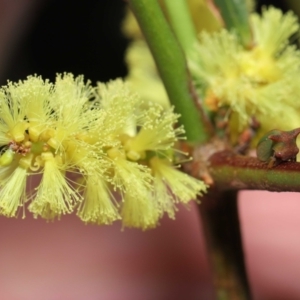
<point>69,260</point>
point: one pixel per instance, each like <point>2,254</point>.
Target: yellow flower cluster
<point>121,152</point>
<point>262,81</point>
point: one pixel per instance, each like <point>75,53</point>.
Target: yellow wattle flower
<point>13,192</point>
<point>183,187</point>
<point>258,82</point>
<point>54,195</point>
<point>134,182</point>
<point>156,133</point>
<point>99,205</point>
<point>138,210</point>
<point>104,135</point>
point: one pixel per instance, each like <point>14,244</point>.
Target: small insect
<point>278,146</point>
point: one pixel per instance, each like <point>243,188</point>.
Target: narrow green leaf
<point>181,23</point>
<point>236,17</point>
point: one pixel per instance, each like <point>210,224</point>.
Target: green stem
<point>181,22</point>
<point>236,172</point>
<point>171,63</point>
<point>219,215</point>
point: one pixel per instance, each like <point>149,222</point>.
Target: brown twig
<point>230,171</point>
<point>223,239</point>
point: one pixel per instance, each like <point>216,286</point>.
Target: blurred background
<point>46,37</point>
<point>69,260</point>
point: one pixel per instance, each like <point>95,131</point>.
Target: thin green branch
<point>171,63</point>
<point>236,172</point>
<point>181,22</point>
